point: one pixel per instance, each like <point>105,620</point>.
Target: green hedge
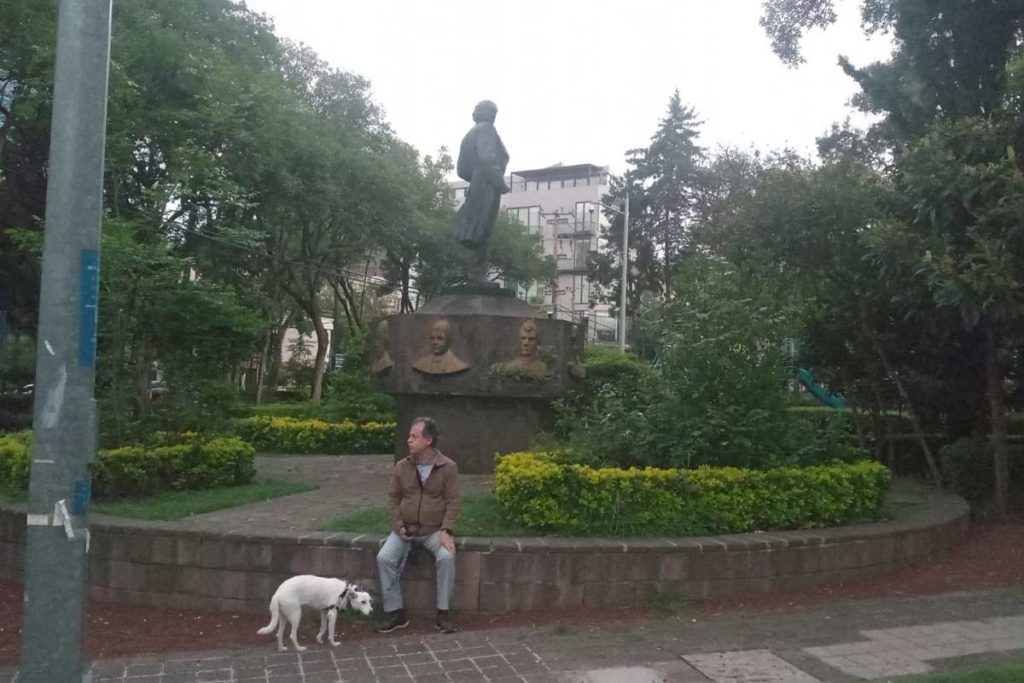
<point>289,435</point>
<point>538,492</point>
<point>14,460</point>
<point>141,470</point>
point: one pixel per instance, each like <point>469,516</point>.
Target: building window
<point>581,249</point>
<point>528,216</point>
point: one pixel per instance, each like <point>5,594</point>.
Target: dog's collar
<point>342,599</point>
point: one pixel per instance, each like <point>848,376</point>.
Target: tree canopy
<point>248,183</point>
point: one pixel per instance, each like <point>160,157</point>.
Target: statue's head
<point>485,111</point>
<point>528,339</point>
<point>439,337</point>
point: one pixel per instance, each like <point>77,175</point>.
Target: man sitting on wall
<point>423,504</point>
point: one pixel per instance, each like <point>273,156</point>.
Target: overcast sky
<point>582,81</point>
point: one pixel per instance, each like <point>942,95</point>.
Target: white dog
<point>324,594</point>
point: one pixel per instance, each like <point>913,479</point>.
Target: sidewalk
<point>838,641</point>
<point>841,641</point>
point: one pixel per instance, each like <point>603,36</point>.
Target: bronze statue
<point>441,360</point>
<point>527,361</point>
<point>383,363</point>
<point>482,162</point>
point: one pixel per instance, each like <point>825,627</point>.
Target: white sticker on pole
<point>61,516</point>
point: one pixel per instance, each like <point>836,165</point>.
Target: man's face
<point>439,338</point>
<point>527,341</point>
<point>418,444</point>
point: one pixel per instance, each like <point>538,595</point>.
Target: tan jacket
<point>430,506</point>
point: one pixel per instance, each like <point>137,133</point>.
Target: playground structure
<point>807,379</point>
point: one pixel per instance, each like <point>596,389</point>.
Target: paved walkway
<point>347,483</point>
<point>842,641</point>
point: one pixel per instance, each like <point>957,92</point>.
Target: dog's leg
<point>332,616</point>
<point>323,626</point>
<point>280,632</point>
<point>293,612</point>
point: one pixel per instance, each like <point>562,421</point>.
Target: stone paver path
<point>840,642</point>
<point>347,483</point>
<point>905,650</point>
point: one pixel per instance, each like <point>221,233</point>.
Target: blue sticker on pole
<point>83,493</point>
<point>88,307</point>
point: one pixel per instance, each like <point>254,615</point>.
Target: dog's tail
<point>274,616</point>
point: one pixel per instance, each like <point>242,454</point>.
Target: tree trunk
<point>887,426</point>
<point>142,367</point>
<point>274,369</point>
<point>406,304</point>
<point>912,414</point>
<point>855,414</point>
<point>997,414</point>
<point>322,347</point>
<point>922,439</point>
<point>261,373</point>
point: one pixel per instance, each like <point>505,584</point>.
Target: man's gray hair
<point>429,429</point>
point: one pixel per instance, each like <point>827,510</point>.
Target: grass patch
<point>480,516</point>
<point>991,674</point>
<point>171,505</point>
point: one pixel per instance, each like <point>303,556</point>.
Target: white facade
<point>562,205</point>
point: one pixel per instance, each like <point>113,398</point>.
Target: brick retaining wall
<point>160,565</point>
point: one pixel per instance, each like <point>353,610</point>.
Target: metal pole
<point>57,536</point>
<point>625,270</point>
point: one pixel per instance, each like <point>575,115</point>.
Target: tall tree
<point>663,186</point>
<point>950,115</point>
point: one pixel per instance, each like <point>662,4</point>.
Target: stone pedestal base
<point>474,428</point>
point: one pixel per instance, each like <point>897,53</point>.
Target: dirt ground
<point>992,556</point>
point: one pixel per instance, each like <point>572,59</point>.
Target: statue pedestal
<point>502,399</point>
<point>474,428</point>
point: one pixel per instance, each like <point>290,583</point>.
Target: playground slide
<point>806,377</point>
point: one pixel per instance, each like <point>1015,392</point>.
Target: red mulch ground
<point>992,556</point>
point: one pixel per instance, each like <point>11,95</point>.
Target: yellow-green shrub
<point>142,470</point>
<point>139,470</point>
<point>536,491</point>
<point>14,460</point>
<point>290,435</point>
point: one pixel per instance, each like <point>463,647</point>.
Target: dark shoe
<point>444,622</point>
<point>396,620</point>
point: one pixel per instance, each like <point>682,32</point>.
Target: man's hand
<point>403,534</point>
<point>447,541</point>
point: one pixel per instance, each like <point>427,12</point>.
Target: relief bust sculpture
<point>383,362</point>
<point>441,360</point>
<point>528,360</point>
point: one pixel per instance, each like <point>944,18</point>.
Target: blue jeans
<point>391,562</point>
